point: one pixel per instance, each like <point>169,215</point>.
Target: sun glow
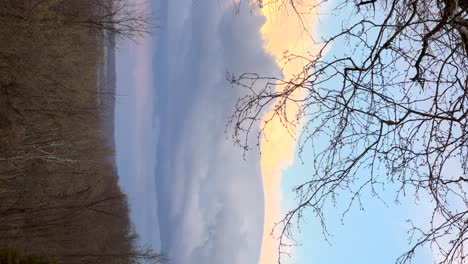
<point>285,32</point>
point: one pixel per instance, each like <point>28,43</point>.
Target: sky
<point>193,195</point>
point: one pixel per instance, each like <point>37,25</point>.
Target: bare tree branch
<point>388,106</point>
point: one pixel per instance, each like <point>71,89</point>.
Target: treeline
<point>59,193</point>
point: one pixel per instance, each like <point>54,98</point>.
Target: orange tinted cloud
<point>283,32</point>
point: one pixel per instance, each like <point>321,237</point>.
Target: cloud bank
<point>283,31</point>
<point>210,200</point>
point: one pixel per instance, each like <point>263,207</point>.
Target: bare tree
<point>139,256</point>
<point>117,17</point>
<point>121,18</point>
<point>387,106</point>
<point>59,192</point>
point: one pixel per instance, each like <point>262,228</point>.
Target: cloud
<point>210,198</point>
<point>283,31</point>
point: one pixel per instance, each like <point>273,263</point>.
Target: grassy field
<point>59,193</point>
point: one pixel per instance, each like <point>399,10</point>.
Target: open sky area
<point>194,196</point>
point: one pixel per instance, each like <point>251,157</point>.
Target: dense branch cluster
<point>385,103</point>
<point>121,18</point>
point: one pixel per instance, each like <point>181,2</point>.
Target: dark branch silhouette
<point>387,105</point>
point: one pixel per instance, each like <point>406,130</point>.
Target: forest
<point>60,201</point>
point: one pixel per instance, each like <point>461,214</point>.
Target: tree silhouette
<point>388,105</point>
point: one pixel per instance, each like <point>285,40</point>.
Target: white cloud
<point>210,198</point>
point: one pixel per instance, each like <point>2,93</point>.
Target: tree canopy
<point>384,101</point>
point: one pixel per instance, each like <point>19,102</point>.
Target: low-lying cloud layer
<point>210,198</point>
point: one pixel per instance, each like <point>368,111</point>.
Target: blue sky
<point>375,234</point>
<point>192,193</point>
